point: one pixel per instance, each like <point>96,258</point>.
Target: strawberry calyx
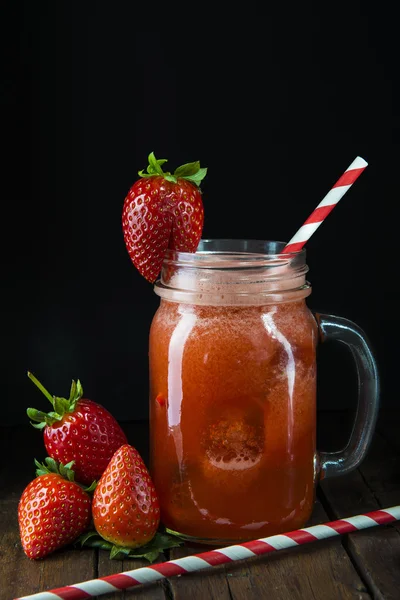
<point>61,406</point>
<point>51,466</point>
<point>189,171</point>
<point>161,541</point>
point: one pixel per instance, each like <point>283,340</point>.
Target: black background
<point>275,105</point>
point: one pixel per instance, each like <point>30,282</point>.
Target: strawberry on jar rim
<point>53,510</point>
<point>78,429</point>
<point>161,211</point>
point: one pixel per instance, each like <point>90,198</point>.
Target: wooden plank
<point>18,574</point>
<point>381,473</point>
<point>21,576</point>
<point>209,583</point>
<point>106,566</point>
<point>320,570</point>
<point>376,551</point>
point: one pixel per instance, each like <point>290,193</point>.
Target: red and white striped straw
<point>229,554</point>
<point>326,205</point>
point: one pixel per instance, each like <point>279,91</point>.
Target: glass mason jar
<point>232,355</point>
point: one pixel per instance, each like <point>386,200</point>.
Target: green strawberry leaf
<point>91,487</point>
<point>72,390</point>
<point>75,395</point>
<point>190,171</point>
<point>37,415</point>
<point>119,552</point>
<point>187,169</point>
<point>154,167</point>
<point>160,542</point>
<point>151,556</point>
<point>52,466</point>
<point>39,425</point>
<point>66,471</point>
<point>150,551</point>
<point>86,536</point>
<point>170,177</point>
<point>54,416</point>
<point>173,533</point>
<point>61,405</point>
<point>91,539</point>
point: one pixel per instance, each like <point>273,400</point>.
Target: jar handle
<point>342,330</point>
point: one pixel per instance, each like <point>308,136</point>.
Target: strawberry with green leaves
<point>161,211</point>
<point>80,430</point>
<point>126,510</point>
<point>53,510</point>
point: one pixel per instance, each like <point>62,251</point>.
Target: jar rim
<point>233,271</point>
<point>233,253</point>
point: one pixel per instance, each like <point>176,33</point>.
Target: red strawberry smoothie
<point>233,406</point>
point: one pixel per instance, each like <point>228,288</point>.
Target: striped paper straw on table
<point>227,555</point>
<point>326,205</point>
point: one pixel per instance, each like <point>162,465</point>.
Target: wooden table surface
<point>363,565</point>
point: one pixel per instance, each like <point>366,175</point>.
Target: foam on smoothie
<point>223,283</point>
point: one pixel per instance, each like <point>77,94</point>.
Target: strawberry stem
<point>41,387</point>
<point>60,405</point>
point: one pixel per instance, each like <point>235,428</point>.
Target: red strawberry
<point>53,510</point>
<point>125,505</point>
<point>80,430</point>
<point>163,211</point>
